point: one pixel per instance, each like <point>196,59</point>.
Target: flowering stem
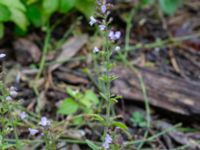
<point>108,81</point>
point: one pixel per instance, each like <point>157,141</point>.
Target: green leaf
<point>146,2</point>
<point>66,5</point>
<point>92,145</point>
<point>13,4</point>
<point>89,99</point>
<point>50,6</point>
<point>97,117</point>
<point>138,119</point>
<point>17,10</point>
<point>68,107</point>
<point>1,30</point>
<point>169,6</point>
<point>74,93</point>
<point>34,15</point>
<point>7,146</point>
<point>103,95</point>
<point>29,2</point>
<point>120,125</point>
<point>4,13</point>
<point>87,7</point>
<point>19,31</point>
<point>78,120</point>
<point>19,18</point>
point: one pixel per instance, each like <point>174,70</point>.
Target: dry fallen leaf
<point>69,49</point>
<point>26,51</point>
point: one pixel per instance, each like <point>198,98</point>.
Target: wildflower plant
<point>103,65</point>
<point>8,118</point>
<point>11,118</point>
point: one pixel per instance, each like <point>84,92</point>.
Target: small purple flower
<point>103,9</point>
<point>22,115</point>
<point>117,35</point>
<point>111,35</point>
<point>9,98</point>
<point>13,91</point>
<point>95,50</point>
<point>44,122</point>
<point>107,141</point>
<point>33,131</point>
<point>102,27</point>
<point>2,55</point>
<point>114,35</point>
<point>92,21</point>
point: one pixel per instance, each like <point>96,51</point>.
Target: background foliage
<point>38,12</point>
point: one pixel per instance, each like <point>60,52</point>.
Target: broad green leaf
<point>146,2</point>
<point>29,2</point>
<point>87,7</point>
<point>34,15</point>
<point>7,146</point>
<point>138,119</point>
<point>74,93</point>
<point>19,31</point>
<point>89,99</point>
<point>78,120</point>
<point>19,18</point>
<point>1,30</point>
<point>66,5</point>
<point>50,6</point>
<point>4,13</point>
<point>169,6</point>
<point>13,4</point>
<point>68,107</point>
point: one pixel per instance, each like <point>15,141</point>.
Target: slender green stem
<point>154,136</point>
<point>44,53</point>
<point>74,141</point>
<point>142,84</point>
<point>161,43</point>
<point>143,142</point>
<point>15,133</point>
<point>147,107</point>
<point>128,30</point>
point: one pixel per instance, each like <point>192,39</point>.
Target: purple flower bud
<point>92,20</point>
<point>103,9</point>
<point>102,27</point>
<point>95,50</point>
<point>44,122</point>
<point>33,131</point>
<point>2,55</point>
<point>22,115</point>
<point>12,88</point>
<point>107,141</point>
